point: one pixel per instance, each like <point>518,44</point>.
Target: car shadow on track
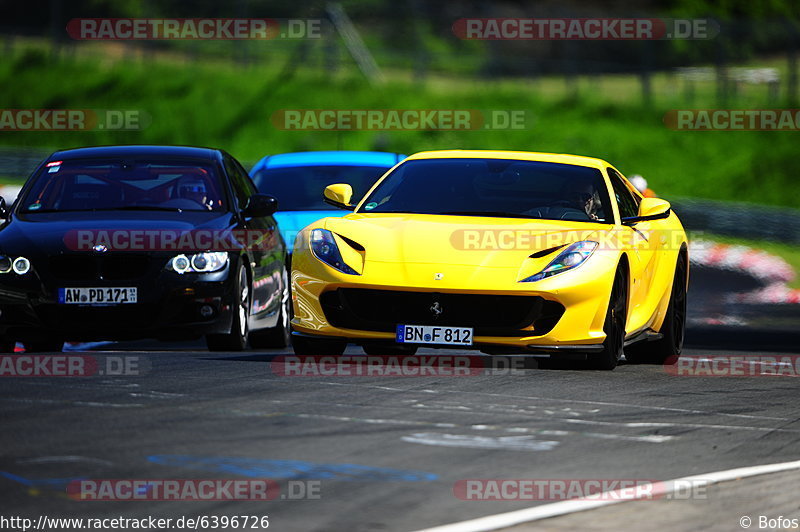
<point>743,339</point>
<point>254,357</point>
<point>489,364</point>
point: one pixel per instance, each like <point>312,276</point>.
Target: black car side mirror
<point>259,205</point>
<point>3,209</point>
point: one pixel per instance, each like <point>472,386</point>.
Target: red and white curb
<point>775,293</point>
<point>771,270</point>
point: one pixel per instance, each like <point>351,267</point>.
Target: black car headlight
<point>572,257</point>
<point>324,247</point>
<point>209,261</point>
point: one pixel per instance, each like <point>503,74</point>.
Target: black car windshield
<point>299,188</point>
<point>107,185</point>
<point>493,187</point>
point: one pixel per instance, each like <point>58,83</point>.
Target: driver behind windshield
<point>587,199</point>
<point>194,189</point>
<point>89,185</point>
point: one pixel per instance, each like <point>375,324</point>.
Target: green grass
<point>790,254</point>
<point>214,103</point>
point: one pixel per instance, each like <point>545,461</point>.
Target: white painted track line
<point>544,511</point>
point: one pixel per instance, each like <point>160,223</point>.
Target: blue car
<point>298,179</point>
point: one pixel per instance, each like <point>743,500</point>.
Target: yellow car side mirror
<point>650,209</point>
<point>339,196</point>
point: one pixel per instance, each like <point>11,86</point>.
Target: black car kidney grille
<point>74,267</point>
<point>121,267</point>
<point>94,268</point>
<point>488,314</point>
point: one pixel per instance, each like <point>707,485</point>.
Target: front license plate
<point>97,296</point>
<point>434,334</point>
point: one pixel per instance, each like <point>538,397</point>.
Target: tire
<point>236,340</point>
<point>614,325</point>
<point>306,346</point>
<point>667,349</point>
<point>44,345</point>
<point>389,350</point>
<point>280,335</point>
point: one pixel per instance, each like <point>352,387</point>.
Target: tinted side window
<point>636,199</point>
<point>240,181</point>
<point>248,181</point>
<point>628,206</point>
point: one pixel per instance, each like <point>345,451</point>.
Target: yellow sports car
<point>499,251</point>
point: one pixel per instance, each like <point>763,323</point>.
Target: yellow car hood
<point>457,240</point>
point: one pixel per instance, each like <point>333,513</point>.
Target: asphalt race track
<point>384,453</point>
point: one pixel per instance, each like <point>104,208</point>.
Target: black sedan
<point>129,242</point>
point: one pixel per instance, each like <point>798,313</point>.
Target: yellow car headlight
<point>324,247</point>
<point>572,257</point>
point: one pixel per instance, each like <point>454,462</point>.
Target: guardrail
<point>744,220</point>
<point>20,162</point>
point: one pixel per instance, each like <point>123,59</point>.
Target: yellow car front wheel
<point>614,325</point>
<point>667,349</point>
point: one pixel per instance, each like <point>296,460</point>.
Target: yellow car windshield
<point>493,187</point>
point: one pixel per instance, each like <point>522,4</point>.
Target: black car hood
<point>53,233</point>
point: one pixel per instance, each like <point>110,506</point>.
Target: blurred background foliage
<point>599,98</point>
